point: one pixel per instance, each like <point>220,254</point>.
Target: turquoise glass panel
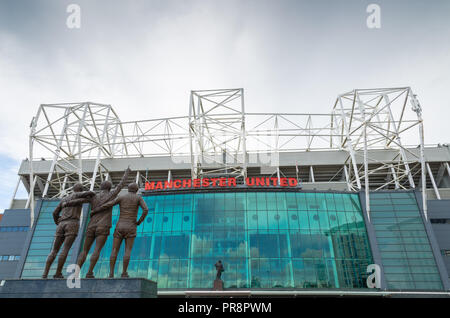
<point>265,240</point>
<point>405,249</point>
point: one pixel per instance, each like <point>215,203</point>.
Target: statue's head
<point>78,187</point>
<point>133,187</point>
<point>106,185</point>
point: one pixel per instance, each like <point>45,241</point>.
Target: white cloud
<point>144,60</point>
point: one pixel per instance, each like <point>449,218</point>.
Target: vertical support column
<point>80,128</point>
<point>57,152</point>
<point>366,157</point>
<point>30,201</point>
<point>278,175</point>
<point>394,175</point>
<point>424,181</point>
<point>366,173</point>
<point>244,137</point>
<point>97,161</point>
<point>14,194</point>
<point>276,155</point>
<point>423,172</point>
<point>349,145</point>
<point>138,177</point>
<point>418,110</point>
<point>63,187</point>
<point>311,175</point>
<point>347,178</point>
<point>114,139</point>
<point>30,197</point>
<point>397,136</point>
<point>435,188</point>
<point>192,118</point>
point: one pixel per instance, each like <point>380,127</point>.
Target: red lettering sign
<point>220,182</point>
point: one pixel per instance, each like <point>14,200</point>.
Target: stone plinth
<point>89,288</point>
<point>218,284</point>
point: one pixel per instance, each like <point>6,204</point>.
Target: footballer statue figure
<point>67,219</point>
<point>126,226</point>
<point>219,269</point>
<point>99,225</point>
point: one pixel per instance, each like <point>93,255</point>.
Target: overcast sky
<point>144,57</point>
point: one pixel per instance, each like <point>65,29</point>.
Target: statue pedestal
<point>89,288</point>
<point>218,284</point>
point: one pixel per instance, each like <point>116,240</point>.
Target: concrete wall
<point>302,158</point>
<point>440,209</point>
<point>12,243</point>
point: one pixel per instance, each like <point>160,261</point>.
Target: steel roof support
<point>99,151</point>
<point>14,193</point>
<point>57,153</point>
<point>435,188</point>
<point>217,124</point>
<point>349,145</point>
<point>394,176</point>
<point>418,110</point>
<point>397,137</point>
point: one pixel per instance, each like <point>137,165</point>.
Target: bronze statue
<point>100,223</point>
<point>219,268</point>
<point>126,226</point>
<point>68,224</point>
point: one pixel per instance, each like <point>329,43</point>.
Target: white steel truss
<point>219,138</point>
<point>217,133</point>
<point>379,118</point>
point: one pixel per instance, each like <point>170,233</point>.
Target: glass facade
<point>265,240</point>
<point>405,249</point>
<point>41,243</point>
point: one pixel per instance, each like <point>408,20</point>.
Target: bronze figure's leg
<point>99,242</point>
<point>51,257</point>
<point>115,250</point>
<point>126,257</point>
<point>87,246</point>
<point>68,241</point>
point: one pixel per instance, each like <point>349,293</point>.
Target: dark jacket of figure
<point>129,206</point>
<point>219,268</point>
<point>70,206</point>
<point>103,217</point>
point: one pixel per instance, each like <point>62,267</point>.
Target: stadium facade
<point>291,203</point>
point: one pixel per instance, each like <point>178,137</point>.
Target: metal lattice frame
<point>378,118</point>
<point>70,132</point>
<point>217,133</point>
<point>220,138</point>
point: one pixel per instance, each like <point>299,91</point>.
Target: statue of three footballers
<point>99,224</point>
